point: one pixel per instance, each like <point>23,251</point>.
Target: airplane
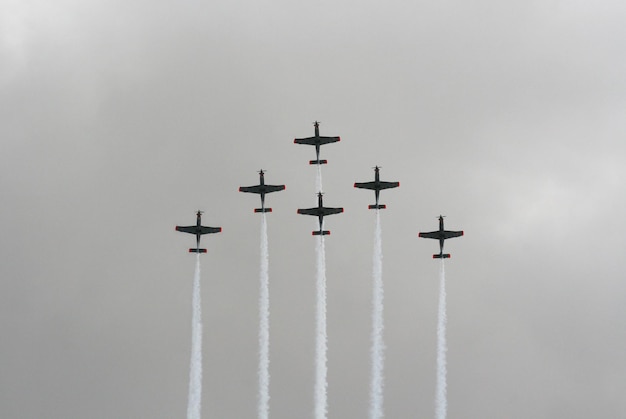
<point>441,235</point>
<point>198,230</point>
<point>377,186</point>
<point>320,211</point>
<point>262,189</point>
<point>317,141</point>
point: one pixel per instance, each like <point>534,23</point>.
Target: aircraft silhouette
<point>198,230</point>
<point>317,141</point>
<point>320,211</point>
<point>262,189</point>
<point>377,186</point>
<point>441,235</point>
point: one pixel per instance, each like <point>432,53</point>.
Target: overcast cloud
<point>120,119</point>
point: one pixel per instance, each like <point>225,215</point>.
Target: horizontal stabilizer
<point>321,233</point>
<point>262,210</point>
<point>197,250</point>
<point>318,162</point>
<point>442,256</point>
<point>379,206</point>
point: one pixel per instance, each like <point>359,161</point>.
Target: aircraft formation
<point>320,211</point>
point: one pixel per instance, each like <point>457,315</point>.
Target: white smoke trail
<point>321,345</point>
<point>318,179</point>
<point>378,346</point>
<point>264,325</point>
<point>441,403</point>
<point>195,369</point>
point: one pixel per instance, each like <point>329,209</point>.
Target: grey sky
<point>118,120</point>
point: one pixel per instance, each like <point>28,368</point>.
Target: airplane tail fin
<point>379,206</point>
<point>197,250</point>
<point>321,233</point>
<point>442,256</point>
<point>262,210</point>
<point>318,162</point>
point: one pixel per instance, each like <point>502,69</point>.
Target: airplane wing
<point>199,230</point>
<point>309,211</point>
<point>187,229</point>
<point>274,188</point>
<point>210,230</point>
<point>251,189</point>
<point>389,185</point>
<point>331,211</point>
<point>441,234</point>
<point>316,140</point>
<point>266,188</point>
<point>450,234</point>
<point>365,185</point>
<point>374,185</point>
